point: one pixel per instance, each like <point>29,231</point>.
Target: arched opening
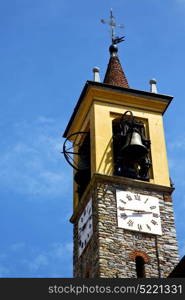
<point>131,148</point>
<point>83,174</point>
<point>87,274</point>
<point>140,267</point>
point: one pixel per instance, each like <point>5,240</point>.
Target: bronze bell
<point>134,148</point>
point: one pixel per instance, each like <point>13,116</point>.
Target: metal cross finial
<point>112,23</point>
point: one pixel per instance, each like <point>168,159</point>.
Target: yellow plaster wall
<point>102,158</point>
<point>102,139</point>
<point>98,110</point>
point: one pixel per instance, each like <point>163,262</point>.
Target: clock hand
<point>83,227</point>
<point>122,208</point>
<point>136,210</point>
<point>142,211</point>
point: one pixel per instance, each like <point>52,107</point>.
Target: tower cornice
<point>105,92</point>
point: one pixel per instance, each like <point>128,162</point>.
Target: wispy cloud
<point>38,263</point>
<point>54,261</point>
<point>32,164</point>
<point>17,246</point>
<point>178,143</point>
<point>58,256</point>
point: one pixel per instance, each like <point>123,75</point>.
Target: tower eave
<point>164,100</point>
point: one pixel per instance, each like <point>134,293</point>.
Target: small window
<point>140,267</point>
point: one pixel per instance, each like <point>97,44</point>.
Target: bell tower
<point>122,204</point>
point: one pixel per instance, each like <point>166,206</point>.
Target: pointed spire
<point>115,74</point>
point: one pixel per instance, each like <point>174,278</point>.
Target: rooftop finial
<point>115,39</point>
<point>96,72</point>
<point>153,85</point>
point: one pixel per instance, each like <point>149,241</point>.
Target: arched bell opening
<point>83,174</point>
<point>130,148</point>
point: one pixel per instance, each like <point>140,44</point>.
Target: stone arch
<point>140,253</point>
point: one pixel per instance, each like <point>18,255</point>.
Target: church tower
<point>122,204</point>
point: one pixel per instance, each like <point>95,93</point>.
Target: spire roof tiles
<point>115,74</point>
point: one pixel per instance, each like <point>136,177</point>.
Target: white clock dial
<point>138,212</point>
<point>85,227</point>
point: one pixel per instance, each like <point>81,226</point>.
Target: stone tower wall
<point>111,251</point>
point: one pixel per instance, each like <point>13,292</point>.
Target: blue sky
<point>48,49</point>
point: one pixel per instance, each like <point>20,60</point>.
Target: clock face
<point>138,212</point>
<point>85,227</point>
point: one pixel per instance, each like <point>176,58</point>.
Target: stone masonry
<point>111,251</point>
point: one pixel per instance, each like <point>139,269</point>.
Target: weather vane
<point>112,23</point>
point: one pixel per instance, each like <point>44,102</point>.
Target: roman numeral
<point>155,215</point>
<point>121,208</point>
<point>137,197</point>
<point>81,244</point>
<point>123,216</point>
<point>130,223</point>
<point>128,197</point>
<point>139,226</point>
<point>154,222</point>
<point>148,226</point>
<point>146,200</point>
<point>152,207</point>
<point>84,226</point>
<point>123,201</point>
